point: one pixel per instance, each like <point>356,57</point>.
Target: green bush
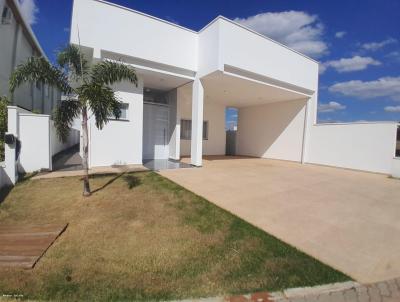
<point>3,123</point>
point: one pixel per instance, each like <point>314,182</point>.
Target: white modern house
<point>17,44</point>
<point>188,78</point>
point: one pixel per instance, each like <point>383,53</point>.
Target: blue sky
<point>357,42</point>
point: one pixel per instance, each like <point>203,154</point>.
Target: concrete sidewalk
<point>96,170</point>
<point>386,291</point>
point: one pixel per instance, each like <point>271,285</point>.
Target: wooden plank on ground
<point>23,245</point>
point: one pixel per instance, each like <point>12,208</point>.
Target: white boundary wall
<point>38,142</point>
<point>4,179</point>
<point>361,146</point>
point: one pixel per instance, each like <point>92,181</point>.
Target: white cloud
<point>382,87</point>
<point>394,55</point>
<point>330,107</point>
<point>29,10</point>
<point>296,29</point>
<point>349,64</point>
<point>340,34</point>
<point>392,108</point>
<point>373,46</point>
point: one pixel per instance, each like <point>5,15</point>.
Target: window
<point>6,15</point>
<point>154,96</point>
<point>124,112</point>
<point>186,129</point>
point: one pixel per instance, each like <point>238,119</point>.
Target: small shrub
<point>3,123</point>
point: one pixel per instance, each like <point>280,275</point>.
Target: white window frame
<point>121,118</point>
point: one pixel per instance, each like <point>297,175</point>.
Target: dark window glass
<point>186,129</point>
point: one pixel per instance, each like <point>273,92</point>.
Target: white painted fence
<point>38,142</point>
<point>361,146</point>
<point>4,180</point>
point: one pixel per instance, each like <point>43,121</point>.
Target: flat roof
<point>207,25</point>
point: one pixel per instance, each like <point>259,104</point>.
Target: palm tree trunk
<point>86,185</point>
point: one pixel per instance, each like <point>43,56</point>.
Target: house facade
<point>18,43</point>
<point>186,81</point>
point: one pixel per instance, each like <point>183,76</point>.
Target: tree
<point>86,90</point>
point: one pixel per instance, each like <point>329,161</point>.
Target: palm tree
<point>86,89</point>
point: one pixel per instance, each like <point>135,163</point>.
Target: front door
<point>155,131</point>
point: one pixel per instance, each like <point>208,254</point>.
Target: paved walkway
<point>387,291</point>
<point>349,220</point>
<point>68,160</point>
<point>96,170</point>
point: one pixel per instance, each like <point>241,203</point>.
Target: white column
<point>196,150</point>
<point>175,125</point>
<point>10,156</point>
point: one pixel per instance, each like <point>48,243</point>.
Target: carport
<point>349,220</point>
<point>272,116</point>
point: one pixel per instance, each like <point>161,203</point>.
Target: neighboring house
<point>36,132</point>
<point>18,43</point>
<point>188,78</point>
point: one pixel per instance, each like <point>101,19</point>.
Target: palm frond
<point>101,100</point>
<point>64,116</point>
<point>38,69</point>
<point>72,59</point>
<point>108,73</point>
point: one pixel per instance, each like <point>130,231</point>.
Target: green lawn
<point>142,237</point>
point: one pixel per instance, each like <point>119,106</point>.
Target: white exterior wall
<point>38,140</point>
<point>35,142</point>
<point>111,27</point>
<point>396,167</point>
<point>360,146</point>
<point>252,52</point>
<point>272,131</point>
<point>209,59</point>
<point>4,179</point>
<point>215,115</point>
<point>58,146</point>
<point>120,142</point>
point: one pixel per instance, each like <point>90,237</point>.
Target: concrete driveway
<point>348,220</point>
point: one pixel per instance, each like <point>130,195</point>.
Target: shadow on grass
<point>131,180</point>
<point>4,193</point>
<point>23,177</point>
<point>107,183</point>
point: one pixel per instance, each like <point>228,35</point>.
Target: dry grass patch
<point>142,237</point>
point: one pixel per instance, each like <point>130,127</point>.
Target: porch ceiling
<point>237,91</point>
<point>154,75</point>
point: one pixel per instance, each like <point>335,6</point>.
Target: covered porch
<point>271,122</point>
